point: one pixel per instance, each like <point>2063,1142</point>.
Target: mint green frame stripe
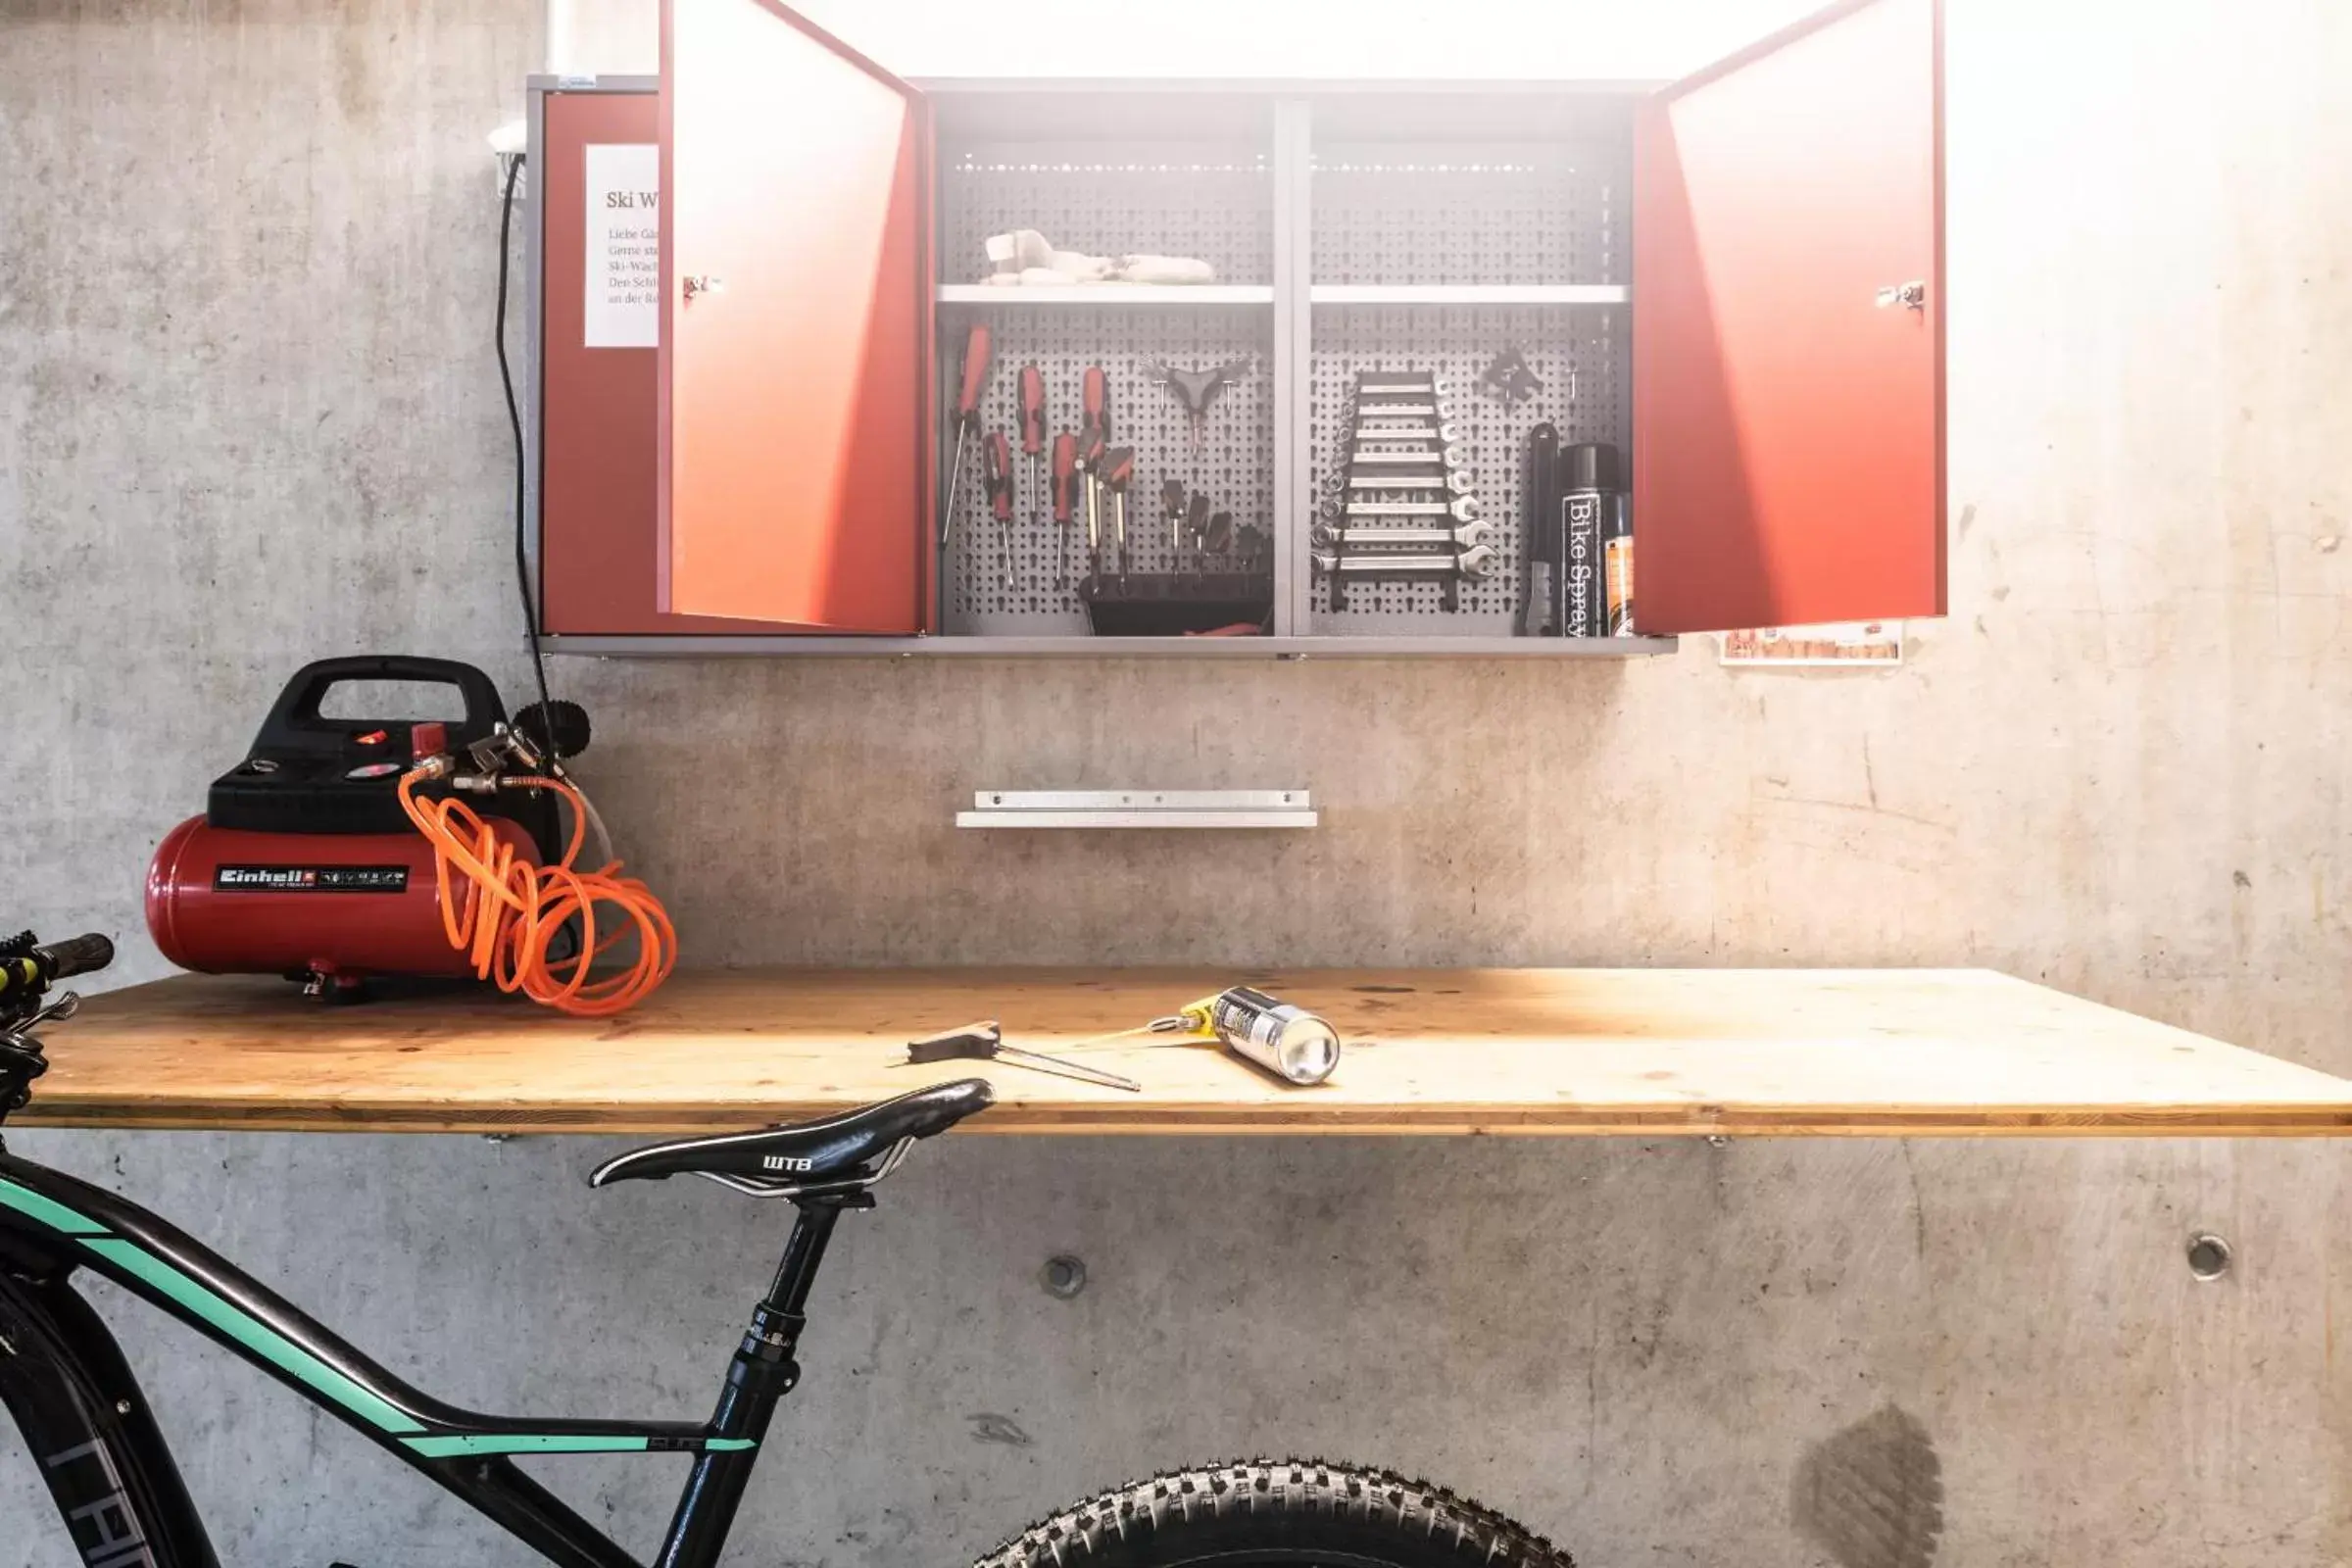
<point>257,1337</point>
<point>50,1213</point>
<point>522,1443</point>
<point>548,1443</point>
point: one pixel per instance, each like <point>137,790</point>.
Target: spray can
<point>1617,566</point>
<point>1591,484</point>
<point>1289,1042</point>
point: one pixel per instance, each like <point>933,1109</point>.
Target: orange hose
<point>507,912</point>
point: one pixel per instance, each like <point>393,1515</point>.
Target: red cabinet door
<point>795,464</point>
<point>1788,414</point>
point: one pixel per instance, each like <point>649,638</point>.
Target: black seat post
<point>762,1372</point>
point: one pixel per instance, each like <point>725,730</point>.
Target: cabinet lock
<point>1910,296</point>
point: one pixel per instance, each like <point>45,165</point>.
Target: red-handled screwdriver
<point>997,476</point>
<point>1090,463</point>
<point>1118,472</point>
<point>967,420</point>
<point>1094,434</point>
<point>1066,482</point>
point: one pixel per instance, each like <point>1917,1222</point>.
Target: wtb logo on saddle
<point>786,1162</point>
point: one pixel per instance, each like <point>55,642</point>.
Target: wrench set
<point>1377,518</point>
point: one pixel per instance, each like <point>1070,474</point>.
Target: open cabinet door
<point>796,284</point>
<point>1788,330</point>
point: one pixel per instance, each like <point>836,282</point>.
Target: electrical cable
<point>505,378</point>
<point>506,915</point>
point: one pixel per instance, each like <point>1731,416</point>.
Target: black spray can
<point>1591,485</point>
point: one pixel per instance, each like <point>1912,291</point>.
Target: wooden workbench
<point>1494,1050</point>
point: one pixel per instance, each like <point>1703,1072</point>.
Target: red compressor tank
<point>304,864</point>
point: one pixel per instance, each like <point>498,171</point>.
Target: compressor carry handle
<point>297,707</point>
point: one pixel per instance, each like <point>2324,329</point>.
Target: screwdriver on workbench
<point>1065,482</point>
<point>1118,472</point>
<point>997,477</point>
<point>1033,435</point>
<point>967,420</point>
<point>1171,503</point>
<point>1196,523</point>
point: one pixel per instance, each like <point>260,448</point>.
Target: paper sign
<point>624,239</point>
<point>1847,643</point>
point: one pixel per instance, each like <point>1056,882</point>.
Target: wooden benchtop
<point>1647,1051</point>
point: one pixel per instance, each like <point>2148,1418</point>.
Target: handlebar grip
<point>82,955</point>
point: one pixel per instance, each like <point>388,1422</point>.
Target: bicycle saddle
<point>775,1158</point>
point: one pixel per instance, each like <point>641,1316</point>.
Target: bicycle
<point>118,1493</point>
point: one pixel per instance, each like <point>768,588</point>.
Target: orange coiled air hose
<point>506,915</point>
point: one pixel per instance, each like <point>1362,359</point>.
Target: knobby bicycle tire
<point>1292,1511</point>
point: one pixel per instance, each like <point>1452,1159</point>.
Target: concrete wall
<point>248,416</point>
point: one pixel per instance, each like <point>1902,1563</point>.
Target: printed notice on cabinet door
<point>625,246</point>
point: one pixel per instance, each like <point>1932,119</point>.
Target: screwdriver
<point>1171,502</point>
<point>1090,463</point>
<point>1033,433</point>
<point>1065,480</point>
<point>985,1042</point>
<point>997,476</point>
<point>1196,524</point>
<point>967,420</point>
<point>1118,472</point>
<point>1094,434</point>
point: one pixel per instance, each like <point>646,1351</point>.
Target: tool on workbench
<point>1065,483</point>
<point>1538,537</point>
<point>1509,379</point>
<point>996,477</point>
<point>1590,481</point>
<point>967,420</point>
<point>1217,533</point>
<point>1117,473</point>
<point>985,1042</point>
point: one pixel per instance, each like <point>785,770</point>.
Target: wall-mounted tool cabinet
<point>1735,280</point>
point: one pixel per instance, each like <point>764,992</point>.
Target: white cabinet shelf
<point>1470,294</point>
<point>1151,294</point>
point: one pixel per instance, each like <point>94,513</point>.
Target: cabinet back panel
<point>1234,464</point>
<point>1579,353</point>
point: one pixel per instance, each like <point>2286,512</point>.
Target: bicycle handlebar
<point>31,972</point>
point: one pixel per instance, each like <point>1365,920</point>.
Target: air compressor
<point>339,850</point>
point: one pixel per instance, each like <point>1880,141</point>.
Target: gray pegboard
<point>1236,466</point>
<point>1462,213</point>
<point>1209,200</point>
<point>1579,352</point>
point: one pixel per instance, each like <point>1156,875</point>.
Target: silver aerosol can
<point>1289,1042</point>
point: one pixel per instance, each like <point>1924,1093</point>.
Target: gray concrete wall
<point>248,416</point>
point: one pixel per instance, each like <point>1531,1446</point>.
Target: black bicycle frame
<point>118,1492</point>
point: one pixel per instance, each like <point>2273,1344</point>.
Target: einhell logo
<point>310,879</point>
<point>785,1162</point>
